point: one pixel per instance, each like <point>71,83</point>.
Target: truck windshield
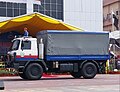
<point>15,45</point>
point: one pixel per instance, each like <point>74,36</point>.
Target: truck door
<point>26,51</point>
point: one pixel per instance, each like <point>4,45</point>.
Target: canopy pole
<point>114,56</point>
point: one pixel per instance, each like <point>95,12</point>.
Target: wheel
<point>34,71</point>
<point>22,75</point>
<point>76,74</point>
<point>89,70</point>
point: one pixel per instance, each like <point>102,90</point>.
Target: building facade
<point>84,14</point>
<point>13,8</point>
<point>110,6</point>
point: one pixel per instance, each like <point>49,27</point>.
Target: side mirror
<point>14,54</point>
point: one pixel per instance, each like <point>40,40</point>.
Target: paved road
<point>101,83</point>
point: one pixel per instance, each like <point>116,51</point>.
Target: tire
<point>22,75</point>
<point>89,70</point>
<point>34,71</point>
<point>76,74</point>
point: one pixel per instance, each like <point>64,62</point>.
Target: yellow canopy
<point>34,22</point>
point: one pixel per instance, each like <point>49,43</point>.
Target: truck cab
<point>23,49</point>
<point>23,56</point>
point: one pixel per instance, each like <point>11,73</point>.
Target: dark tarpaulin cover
<point>74,43</point>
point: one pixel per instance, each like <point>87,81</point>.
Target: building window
<point>52,8</point>
<point>47,1</point>
<point>9,12</point>
<point>117,13</point>
<point>3,4</point>
<point>10,9</point>
<point>60,2</point>
<point>2,12</point>
<point>53,1</point>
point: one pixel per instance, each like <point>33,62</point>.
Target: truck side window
<point>26,45</point>
<point>15,45</point>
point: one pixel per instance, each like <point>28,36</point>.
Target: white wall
<point>86,14</point>
<point>29,6</point>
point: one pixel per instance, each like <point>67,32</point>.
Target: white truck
<point>52,51</point>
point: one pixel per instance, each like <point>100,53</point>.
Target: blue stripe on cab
<point>25,59</point>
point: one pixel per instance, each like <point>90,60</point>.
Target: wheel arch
<point>42,63</point>
<point>92,61</point>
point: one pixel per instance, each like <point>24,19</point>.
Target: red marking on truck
<point>27,56</point>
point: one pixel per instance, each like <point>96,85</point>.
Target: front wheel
<point>89,70</point>
<point>34,71</point>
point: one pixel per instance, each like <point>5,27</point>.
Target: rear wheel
<point>89,70</point>
<point>34,71</point>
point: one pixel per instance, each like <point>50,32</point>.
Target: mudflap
<point>102,67</point>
